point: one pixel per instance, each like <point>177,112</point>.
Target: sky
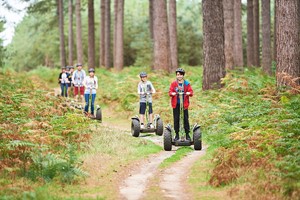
<point>12,19</point>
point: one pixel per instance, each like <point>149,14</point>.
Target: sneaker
<point>151,126</point>
<point>176,137</point>
<point>142,126</point>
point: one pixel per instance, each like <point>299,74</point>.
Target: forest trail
<point>177,174</point>
<point>136,181</point>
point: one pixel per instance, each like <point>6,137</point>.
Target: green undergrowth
<point>251,128</point>
<point>37,140</point>
<point>254,131</point>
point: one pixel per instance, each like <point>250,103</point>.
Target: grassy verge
<point>48,151</point>
<point>253,131</point>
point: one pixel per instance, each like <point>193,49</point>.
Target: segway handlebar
<point>180,93</point>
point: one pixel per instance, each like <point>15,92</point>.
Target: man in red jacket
<point>180,85</point>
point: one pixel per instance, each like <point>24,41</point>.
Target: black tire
<point>159,127</point>
<point>99,114</point>
<point>167,140</point>
<point>135,128</point>
<point>197,139</point>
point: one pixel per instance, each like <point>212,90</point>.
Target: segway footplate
<point>182,143</point>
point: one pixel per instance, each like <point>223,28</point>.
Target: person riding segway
<point>180,91</point>
<point>91,85</point>
<point>77,79</point>
<point>145,90</point>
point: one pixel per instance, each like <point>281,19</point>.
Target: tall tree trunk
<point>288,42</point>
<point>274,38</point>
<point>102,34</point>
<point>79,33</point>
<point>173,35</point>
<point>91,34</point>
<point>118,40</point>
<point>61,33</point>
<point>151,18</point>
<point>228,32</point>
<point>238,40</point>
<point>161,36</point>
<point>256,46</point>
<point>71,43</point>
<point>250,44</point>
<point>266,37</point>
<point>107,60</point>
<point>213,46</point>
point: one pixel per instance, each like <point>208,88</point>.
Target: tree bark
<point>250,44</point>
<point>161,36</point>
<point>118,40</point>
<point>238,40</point>
<point>288,42</point>
<point>173,35</point>
<point>213,45</point>
<point>228,32</point>
<point>274,42</point>
<point>102,34</point>
<point>79,33</point>
<point>256,46</point>
<point>91,34</point>
<point>151,18</point>
<point>107,60</point>
<point>71,43</point>
<point>266,37</point>
<point>61,33</point>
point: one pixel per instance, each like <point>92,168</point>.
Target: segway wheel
<point>197,139</point>
<point>167,140</point>
<point>135,128</point>
<point>159,127</point>
<point>99,114</point>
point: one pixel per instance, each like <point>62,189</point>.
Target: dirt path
<point>173,180</point>
<point>134,186</point>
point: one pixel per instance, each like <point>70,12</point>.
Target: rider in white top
<point>91,85</point>
<point>145,90</point>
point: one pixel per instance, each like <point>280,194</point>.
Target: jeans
<point>64,89</point>
<point>87,99</point>
<point>176,116</point>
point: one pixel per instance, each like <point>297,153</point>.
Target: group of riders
<point>178,87</point>
<point>80,84</point>
<point>87,85</point>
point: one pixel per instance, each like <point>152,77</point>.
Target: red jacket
<point>187,88</point>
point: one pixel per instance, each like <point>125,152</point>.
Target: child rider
<point>145,90</point>
<point>180,85</point>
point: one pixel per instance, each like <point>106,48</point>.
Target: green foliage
<point>252,129</point>
<point>48,166</point>
<point>36,128</point>
<point>36,39</point>
<point>35,43</point>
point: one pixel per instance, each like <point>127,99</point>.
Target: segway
<point>97,116</point>
<point>182,141</point>
<point>157,123</point>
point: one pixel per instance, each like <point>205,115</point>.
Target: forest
<point>242,58</point>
